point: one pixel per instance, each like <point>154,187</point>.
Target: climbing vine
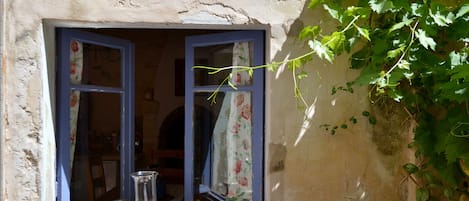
<point>416,54</point>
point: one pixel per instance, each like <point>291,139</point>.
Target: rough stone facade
<point>303,161</point>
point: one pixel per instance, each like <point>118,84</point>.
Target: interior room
<point>159,114</point>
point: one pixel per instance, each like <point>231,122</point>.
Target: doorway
<point>157,121</point>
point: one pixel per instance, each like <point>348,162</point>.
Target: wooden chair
<point>97,181</point>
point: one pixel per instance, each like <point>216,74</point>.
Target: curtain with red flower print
<point>232,162</point>
<point>76,69</point>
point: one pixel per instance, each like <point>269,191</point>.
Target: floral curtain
<point>76,69</point>
<point>232,166</point>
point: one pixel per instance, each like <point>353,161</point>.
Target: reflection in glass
<point>100,65</point>
<point>222,133</point>
<point>95,168</point>
<point>232,157</point>
<point>203,118</point>
<point>215,56</point>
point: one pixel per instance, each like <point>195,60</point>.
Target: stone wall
<point>303,161</point>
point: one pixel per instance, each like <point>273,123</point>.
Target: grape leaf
<point>450,173</point>
<point>402,4</point>
<point>335,41</point>
<point>322,51</point>
<point>363,32</point>
<point>404,64</point>
<point>294,64</point>
<point>309,32</point>
<point>368,75</point>
<point>313,3</point>
<point>425,40</point>
<point>410,168</point>
<point>360,58</point>
<point>454,91</point>
<point>381,6</point>
<point>302,75</point>
<point>422,194</point>
<point>440,18</point>
<point>357,11</point>
<point>463,10</point>
<point>457,58</point>
<point>456,147</point>
<point>333,12</point>
<point>395,53</point>
<point>460,72</point>
<point>417,9</point>
<point>405,22</point>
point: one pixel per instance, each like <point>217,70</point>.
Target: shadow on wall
<point>305,161</point>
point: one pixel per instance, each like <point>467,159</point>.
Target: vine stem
<point>350,24</point>
<point>212,96</point>
<point>406,50</point>
<point>298,93</point>
<point>459,124</point>
<point>297,89</point>
<point>246,68</point>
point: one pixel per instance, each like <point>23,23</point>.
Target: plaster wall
<point>303,161</point>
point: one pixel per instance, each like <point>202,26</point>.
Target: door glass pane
<point>95,130</point>
<point>219,56</point>
<point>223,144</point>
<point>204,115</point>
<point>95,65</point>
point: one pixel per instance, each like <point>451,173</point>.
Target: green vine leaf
<point>440,18</point>
<point>357,11</point>
<point>353,120</point>
<point>294,64</point>
<point>405,22</point>
<point>363,32</point>
<point>448,193</point>
<point>410,168</point>
<point>404,64</point>
<point>462,11</point>
<point>418,9</point>
<point>322,51</point>
<point>381,6</point>
<point>395,53</point>
<point>457,58</point>
<point>372,120</point>
<point>366,113</point>
<point>425,40</point>
<point>460,72</point>
<point>360,58</point>
<point>273,66</point>
<point>335,41</point>
<point>402,5</point>
<point>422,194</point>
<point>302,75</point>
<point>309,32</point>
<point>313,3</point>
<point>415,55</point>
<point>334,13</point>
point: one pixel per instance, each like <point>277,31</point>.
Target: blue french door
<point>119,89</point>
<point>209,165</point>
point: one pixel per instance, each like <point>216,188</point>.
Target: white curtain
<point>232,166</point>
<point>76,69</point>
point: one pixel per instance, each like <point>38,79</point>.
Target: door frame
<point>257,37</point>
<point>126,91</point>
